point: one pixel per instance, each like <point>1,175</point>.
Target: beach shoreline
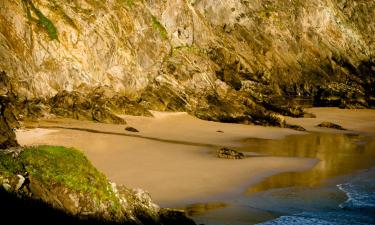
<point>173,155</point>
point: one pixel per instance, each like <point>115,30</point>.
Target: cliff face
<point>8,120</point>
<point>222,60</point>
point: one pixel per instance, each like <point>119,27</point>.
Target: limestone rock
<point>229,61</point>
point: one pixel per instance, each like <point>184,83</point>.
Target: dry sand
<point>173,154</point>
<point>354,120</point>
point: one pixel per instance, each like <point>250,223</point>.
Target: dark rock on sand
<point>295,127</point>
<point>131,129</point>
<point>227,153</point>
<point>331,125</point>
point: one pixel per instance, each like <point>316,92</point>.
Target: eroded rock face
<point>8,121</point>
<point>94,105</point>
<point>230,61</point>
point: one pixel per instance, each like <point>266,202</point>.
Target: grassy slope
<point>66,167</point>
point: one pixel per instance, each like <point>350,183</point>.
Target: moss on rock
<point>41,19</point>
<point>66,180</point>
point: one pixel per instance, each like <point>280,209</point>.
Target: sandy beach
<point>173,155</point>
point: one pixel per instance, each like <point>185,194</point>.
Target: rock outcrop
<point>230,61</point>
<point>65,180</point>
<point>8,121</point>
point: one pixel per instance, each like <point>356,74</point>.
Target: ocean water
<point>340,189</point>
<point>358,209</point>
<point>360,193</point>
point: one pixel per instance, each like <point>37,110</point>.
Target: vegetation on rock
<point>41,20</point>
<point>64,179</point>
<point>158,26</point>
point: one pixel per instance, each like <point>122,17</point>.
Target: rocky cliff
<point>8,120</point>
<point>234,61</point>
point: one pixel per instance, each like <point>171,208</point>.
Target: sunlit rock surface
<point>234,61</point>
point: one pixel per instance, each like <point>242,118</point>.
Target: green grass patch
<point>64,166</point>
<point>9,166</point>
<point>60,166</point>
<point>156,25</point>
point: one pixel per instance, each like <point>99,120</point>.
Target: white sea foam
<point>298,220</point>
<point>360,192</point>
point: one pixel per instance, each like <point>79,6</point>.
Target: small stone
<point>295,127</point>
<point>227,153</point>
<point>331,125</point>
<point>131,129</point>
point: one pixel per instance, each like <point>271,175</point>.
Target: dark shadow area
<point>17,210</point>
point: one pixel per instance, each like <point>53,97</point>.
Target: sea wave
<point>324,218</point>
<point>360,192</point>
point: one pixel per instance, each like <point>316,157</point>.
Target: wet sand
<point>173,155</point>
